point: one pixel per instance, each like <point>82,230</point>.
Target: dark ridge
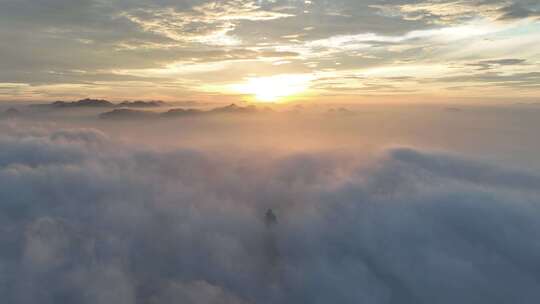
<point>233,108</point>
<point>119,114</point>
<point>142,104</point>
<point>230,109</point>
<point>126,113</point>
<point>85,103</point>
<point>102,103</point>
<point>182,113</point>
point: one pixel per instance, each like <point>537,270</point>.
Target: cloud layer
<point>89,219</point>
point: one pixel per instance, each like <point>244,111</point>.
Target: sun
<point>274,88</point>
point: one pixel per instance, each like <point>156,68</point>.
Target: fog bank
<point>120,213</point>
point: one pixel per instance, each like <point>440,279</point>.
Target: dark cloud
<point>530,79</point>
<point>518,11</point>
<point>87,219</point>
<point>492,64</point>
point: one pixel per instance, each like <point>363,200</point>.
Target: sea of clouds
<point>86,217</point>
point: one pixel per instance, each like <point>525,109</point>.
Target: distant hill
<point>180,112</point>
<point>84,103</point>
<point>142,104</point>
<point>102,103</point>
<point>119,114</point>
<point>233,108</point>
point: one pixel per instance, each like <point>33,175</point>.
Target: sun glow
<point>274,88</point>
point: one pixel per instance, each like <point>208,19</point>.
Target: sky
<point>348,51</point>
<point>395,142</point>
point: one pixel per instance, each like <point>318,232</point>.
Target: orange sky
<point>271,51</point>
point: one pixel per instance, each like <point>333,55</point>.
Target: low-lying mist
<point>375,204</point>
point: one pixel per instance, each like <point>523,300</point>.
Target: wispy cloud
<point>216,43</point>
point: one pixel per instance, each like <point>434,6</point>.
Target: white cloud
<point>209,23</point>
<point>88,219</point>
<point>444,12</point>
